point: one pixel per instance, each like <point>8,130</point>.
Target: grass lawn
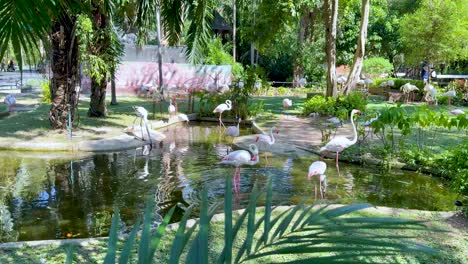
<point>452,245</point>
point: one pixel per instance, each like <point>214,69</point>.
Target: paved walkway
<point>296,135</point>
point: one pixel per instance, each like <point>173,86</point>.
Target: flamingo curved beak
<point>277,131</point>
<point>254,158</point>
<point>258,138</point>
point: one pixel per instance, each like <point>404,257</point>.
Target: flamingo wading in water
<point>221,108</point>
<point>338,144</point>
<point>267,140</point>
<point>142,113</point>
<point>318,169</point>
<point>238,158</point>
<point>233,131</point>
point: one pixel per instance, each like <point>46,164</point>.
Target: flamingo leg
<point>220,120</point>
<point>315,191</point>
<point>141,128</point>
<point>337,166</point>
<point>321,193</point>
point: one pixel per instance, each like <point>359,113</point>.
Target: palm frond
<point>112,244</point>
<point>172,14</point>
<point>200,28</point>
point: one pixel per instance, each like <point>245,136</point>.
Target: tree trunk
<point>304,36</point>
<point>234,21</point>
<point>65,72</point>
<point>355,72</point>
<point>97,106</point>
<point>113,92</point>
<point>331,16</point>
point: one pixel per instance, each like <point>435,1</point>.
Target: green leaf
<point>159,234</point>
<point>128,246</point>
<point>228,235</point>
<point>143,250</point>
<point>180,240</point>
<point>113,236</point>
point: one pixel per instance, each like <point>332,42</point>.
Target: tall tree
<point>436,32</point>
<point>355,72</point>
<point>331,16</point>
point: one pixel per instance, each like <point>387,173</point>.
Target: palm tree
<point>54,22</point>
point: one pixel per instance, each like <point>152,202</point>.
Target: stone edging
<point>218,218</point>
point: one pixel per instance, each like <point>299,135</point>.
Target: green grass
<point>452,245</point>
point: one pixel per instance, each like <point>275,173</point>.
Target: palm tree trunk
<point>331,16</point>
<point>113,92</point>
<point>97,106</point>
<point>234,21</point>
<point>65,72</point>
<point>359,55</point>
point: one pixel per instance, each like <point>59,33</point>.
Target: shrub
<point>216,55</point>
<point>45,87</point>
<point>335,106</point>
<point>376,66</point>
<point>282,91</point>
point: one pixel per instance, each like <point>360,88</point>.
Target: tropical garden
<point>339,134</point>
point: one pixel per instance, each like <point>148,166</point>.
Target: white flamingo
<point>142,113</point>
<point>338,144</point>
<point>450,94</point>
<point>233,131</point>
<point>287,103</point>
<point>457,112</point>
<point>407,89</point>
<point>171,109</point>
<point>267,139</point>
<point>318,168</point>
<point>431,93</point>
<point>183,117</point>
<point>10,102</point>
<point>238,158</point>
<point>221,108</point>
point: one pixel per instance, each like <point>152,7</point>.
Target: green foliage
<point>436,32</point>
<point>45,88</point>
<point>216,54</point>
<point>335,106</point>
<point>309,231</point>
<point>377,65</point>
<point>398,83</point>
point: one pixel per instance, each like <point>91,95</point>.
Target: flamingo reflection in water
<point>238,158</point>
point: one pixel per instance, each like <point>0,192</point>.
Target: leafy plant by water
<point>318,233</point>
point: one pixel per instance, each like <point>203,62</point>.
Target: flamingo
<point>318,168</point>
<point>221,108</point>
<point>457,112</point>
<point>431,93</point>
<point>171,109</point>
<point>407,89</point>
<point>142,113</point>
<point>335,121</point>
<point>268,139</point>
<point>339,144</point>
<point>183,117</point>
<point>287,103</point>
<point>233,131</point>
<point>450,94</point>
<point>238,158</point>
<point>10,102</point>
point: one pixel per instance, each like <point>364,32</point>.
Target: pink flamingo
<point>221,108</point>
<point>338,144</point>
<point>238,158</point>
<point>318,168</point>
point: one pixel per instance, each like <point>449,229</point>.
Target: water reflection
<point>46,199</point>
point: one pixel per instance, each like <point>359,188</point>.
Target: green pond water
<point>45,198</point>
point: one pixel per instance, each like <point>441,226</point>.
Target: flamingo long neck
<point>229,106</point>
<point>354,129</point>
<point>272,138</point>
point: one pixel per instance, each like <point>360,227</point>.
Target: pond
<point>51,198</point>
